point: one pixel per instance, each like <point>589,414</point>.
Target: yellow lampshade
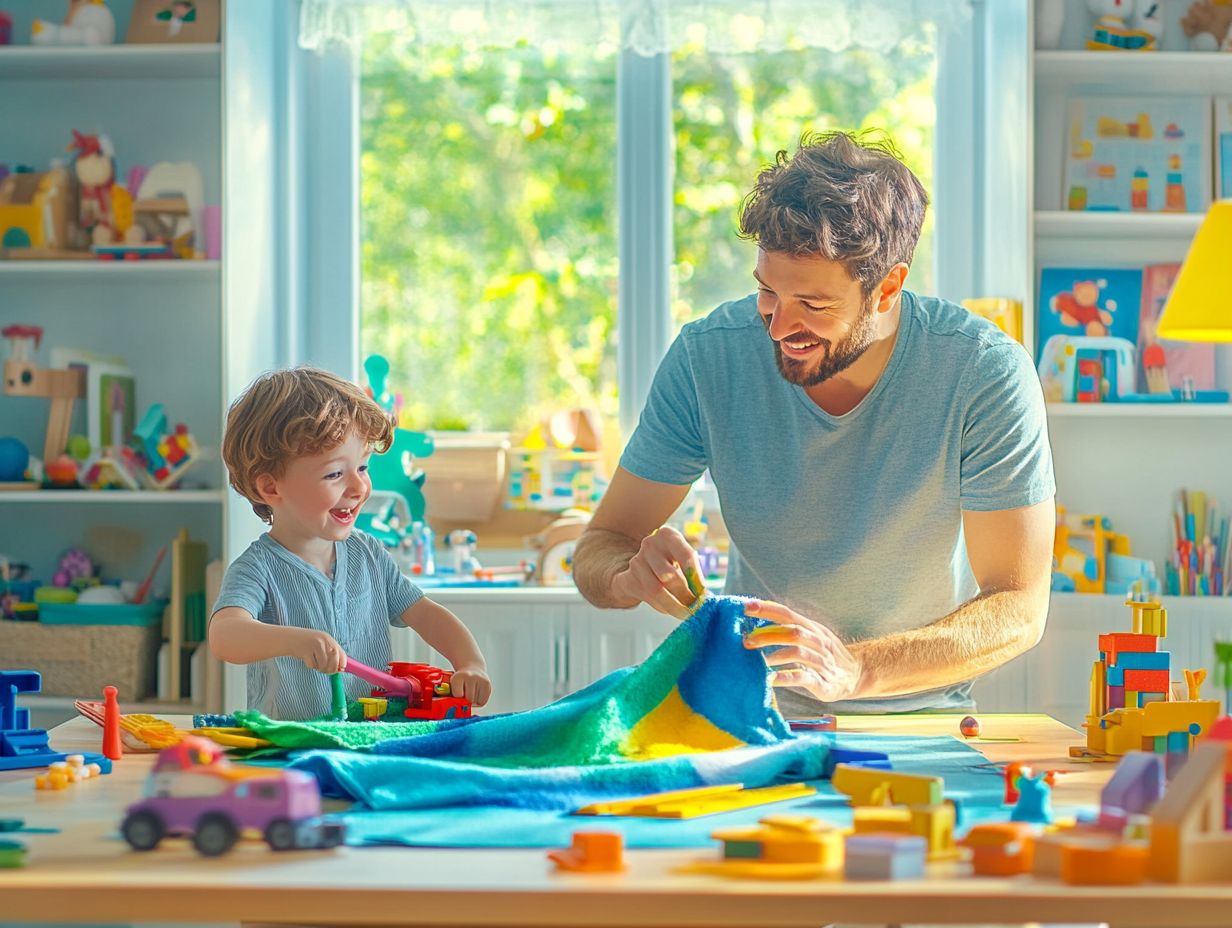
<point>1199,308</point>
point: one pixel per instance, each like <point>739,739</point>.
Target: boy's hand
<point>319,651</point>
<point>471,683</point>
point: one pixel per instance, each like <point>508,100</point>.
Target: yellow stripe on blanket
<point>672,728</point>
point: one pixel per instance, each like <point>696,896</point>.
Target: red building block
<point>1147,681</point>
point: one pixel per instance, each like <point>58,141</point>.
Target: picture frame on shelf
<point>1137,154</point>
<point>160,22</point>
<point>111,395</point>
<point>1184,361</point>
<point>1088,301</point>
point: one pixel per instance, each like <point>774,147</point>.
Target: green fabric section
<point>326,733</point>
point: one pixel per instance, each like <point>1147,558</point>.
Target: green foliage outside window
<point>488,191</point>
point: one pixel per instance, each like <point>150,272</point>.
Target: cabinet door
<point>603,640</point>
<point>518,645</point>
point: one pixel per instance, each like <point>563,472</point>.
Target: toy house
<point>36,212</point>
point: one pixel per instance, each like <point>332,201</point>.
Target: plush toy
<point>1208,24</point>
<point>1125,25</point>
<point>88,22</point>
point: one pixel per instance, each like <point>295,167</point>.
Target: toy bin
<point>79,649</point>
<point>465,476</point>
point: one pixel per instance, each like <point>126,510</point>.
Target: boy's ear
<point>267,488</point>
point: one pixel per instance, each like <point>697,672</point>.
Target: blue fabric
<point>976,787</point>
<point>852,520</point>
<point>357,605</point>
<point>700,687</point>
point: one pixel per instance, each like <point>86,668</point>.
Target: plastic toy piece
<point>935,824</point>
<point>232,737</point>
<point>969,727</point>
<point>374,707</point>
<point>338,702</point>
<point>821,723</point>
<point>1193,684</point>
<point>884,857</point>
<point>12,854</point>
<point>1034,801</point>
<point>194,791</point>
<point>784,847</point>
<point>60,774</point>
<point>1135,787</point>
<point>112,749</point>
<point>139,732</point>
<point>1000,848</point>
<point>406,687</point>
<point>1120,865</point>
<point>20,745</point>
<point>870,787</point>
<point>694,803</point>
<point>592,852</point>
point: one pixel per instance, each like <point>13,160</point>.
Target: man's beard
<point>835,358</point>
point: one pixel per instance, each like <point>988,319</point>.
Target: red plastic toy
<point>426,688</point>
<point>113,748</point>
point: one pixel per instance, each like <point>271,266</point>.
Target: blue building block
<point>20,745</point>
<point>1136,660</point>
<point>856,758</point>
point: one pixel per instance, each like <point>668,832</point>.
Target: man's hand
<point>656,574</point>
<point>824,666</point>
<point>471,683</point>
<point>319,651</point>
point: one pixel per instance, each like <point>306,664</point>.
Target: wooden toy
<point>112,749</point>
<point>37,214</point>
<point>1121,865</point>
<point>23,378</point>
<point>694,803</point>
<point>935,824</point>
<point>592,852</point>
<point>884,857</point>
<point>878,787</point>
<point>1208,26</point>
<point>969,727</point>
<point>780,847</point>
<point>1121,718</point>
<point>88,22</point>
<point>1000,848</point>
<point>1135,787</point>
<point>1189,838</point>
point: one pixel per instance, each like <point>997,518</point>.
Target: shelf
<point>1102,225</point>
<point>1141,410</point>
<point>112,497</point>
<point>161,62</point>
<point>128,270</point>
<point>1136,72</point>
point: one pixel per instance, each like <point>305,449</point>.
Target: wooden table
<point>87,873</point>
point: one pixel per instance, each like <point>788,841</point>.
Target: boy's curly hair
<point>295,413</point>
<point>843,196</point>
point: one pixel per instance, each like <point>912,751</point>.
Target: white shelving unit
<point>165,318</point>
<point>1122,461</point>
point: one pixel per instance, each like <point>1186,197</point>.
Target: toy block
<point>1148,681</point>
<point>591,852</point>
<point>1131,699</point>
<point>1144,699</point>
<point>884,857</point>
<point>935,824</point>
<point>1048,848</point>
<point>1135,786</point>
<point>1177,742</point>
<point>1144,660</point>
<point>1112,644</point>
<point>876,787</point>
<point>786,839</point>
<point>692,803</point>
<point>881,820</point>
<point>856,758</point>
<point>1120,865</point>
<point>1116,697</point>
<point>1160,718</point>
<point>1000,848</point>
<point>1188,841</point>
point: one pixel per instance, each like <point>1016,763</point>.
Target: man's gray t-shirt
<point>853,520</point>
<point>366,595</point>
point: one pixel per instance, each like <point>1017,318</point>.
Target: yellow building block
<point>867,786</point>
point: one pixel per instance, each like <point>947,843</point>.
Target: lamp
<point>1199,309</point>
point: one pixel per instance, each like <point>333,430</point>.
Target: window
<point>489,204</point>
<point>488,219</point>
<point>733,113</point>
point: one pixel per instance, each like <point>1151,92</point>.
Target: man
<point>881,458</point>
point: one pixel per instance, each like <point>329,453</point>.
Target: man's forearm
<point>599,556</point>
<point>979,636</point>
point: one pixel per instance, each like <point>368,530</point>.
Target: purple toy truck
<point>196,792</point>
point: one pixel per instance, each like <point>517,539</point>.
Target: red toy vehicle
<point>425,688</point>
<point>196,792</point>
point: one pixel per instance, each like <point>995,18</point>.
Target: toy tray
<point>102,613</point>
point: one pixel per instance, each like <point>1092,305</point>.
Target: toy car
<point>195,791</point>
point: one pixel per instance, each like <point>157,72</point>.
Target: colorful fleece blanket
<point>697,712</point>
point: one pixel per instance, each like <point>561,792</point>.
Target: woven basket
<point>79,660</point>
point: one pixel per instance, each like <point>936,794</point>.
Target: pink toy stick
<point>399,686</point>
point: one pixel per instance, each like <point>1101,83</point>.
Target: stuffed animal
<point>1207,24</point>
<point>88,22</point>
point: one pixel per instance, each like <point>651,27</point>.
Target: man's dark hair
<point>843,196</point>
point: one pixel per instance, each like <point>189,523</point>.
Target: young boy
<point>312,591</point>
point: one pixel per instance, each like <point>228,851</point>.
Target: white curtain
<point>648,27</point>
